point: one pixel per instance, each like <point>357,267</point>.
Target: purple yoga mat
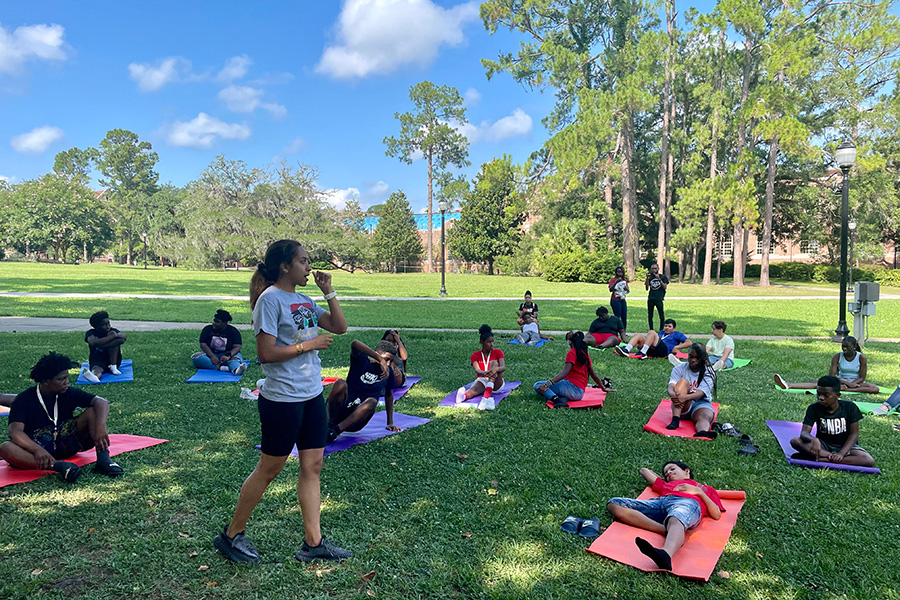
<point>410,381</point>
<point>498,395</point>
<point>785,430</point>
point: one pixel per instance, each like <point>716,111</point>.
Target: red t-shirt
<point>477,359</point>
<point>667,488</point>
<point>578,374</point>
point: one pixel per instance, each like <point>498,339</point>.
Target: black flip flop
<point>749,450</point>
<point>590,528</point>
<point>110,470</point>
<point>571,524</point>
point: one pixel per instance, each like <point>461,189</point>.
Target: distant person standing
<point>618,286</point>
<point>105,342</point>
<point>656,284</point>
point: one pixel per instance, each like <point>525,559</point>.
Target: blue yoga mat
<point>538,345</point>
<point>125,368</point>
<point>211,376</point>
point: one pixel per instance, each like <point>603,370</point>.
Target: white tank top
<point>848,370</point>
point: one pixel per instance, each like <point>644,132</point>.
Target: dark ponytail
<point>268,271</point>
<point>581,349</point>
<point>853,341</point>
<point>705,367</point>
<point>485,332</point>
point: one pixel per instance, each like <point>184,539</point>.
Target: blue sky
<point>310,82</point>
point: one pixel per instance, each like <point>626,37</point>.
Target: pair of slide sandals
<point>748,448</point>
<point>586,528</point>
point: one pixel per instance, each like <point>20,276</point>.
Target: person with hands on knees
<point>681,504</point>
<point>105,343</point>
<point>43,427</point>
<point>849,365</point>
<point>837,428</point>
<point>692,388</point>
<point>220,345</point>
<point>291,406</point>
<point>489,364</point>
<point>353,402</point>
<point>569,384</point>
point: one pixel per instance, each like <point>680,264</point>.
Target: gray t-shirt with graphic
<point>292,318</point>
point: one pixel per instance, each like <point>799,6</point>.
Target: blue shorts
<point>697,405</point>
<point>687,511</point>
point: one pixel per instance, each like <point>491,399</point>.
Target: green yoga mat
<point>868,407</point>
<point>882,390</point>
<point>738,363</point>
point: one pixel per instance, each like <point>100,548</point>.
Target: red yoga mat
<point>702,548</point>
<point>663,416</point>
<point>118,443</point>
<point>593,398</point>
<point>678,354</point>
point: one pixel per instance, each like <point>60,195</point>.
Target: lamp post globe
<point>844,156</point>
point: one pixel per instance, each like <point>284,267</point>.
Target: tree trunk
<point>429,262</point>
<point>664,144</point>
<point>84,251</point>
<point>713,171</point>
<point>629,198</point>
<point>681,266</point>
<point>719,244</point>
<point>695,258</point>
<point>608,196</point>
<point>130,248</point>
<point>490,266</point>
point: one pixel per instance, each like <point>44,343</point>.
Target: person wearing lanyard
<point>489,365</point>
<point>291,406</point>
<point>43,428</point>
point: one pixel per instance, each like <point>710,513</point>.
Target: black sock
<point>676,421</point>
<point>103,457</point>
<point>61,466</point>
<point>657,555</point>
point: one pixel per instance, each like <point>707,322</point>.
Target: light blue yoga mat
<point>125,368</point>
<point>538,345</point>
<point>211,376</point>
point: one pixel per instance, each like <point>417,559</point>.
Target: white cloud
<point>37,140</point>
<point>235,68</point>
<point>338,198</point>
<point>297,146</point>
<point>378,189</point>
<point>204,131</point>
<point>380,36</point>
<point>42,42</point>
<point>518,124</point>
<point>244,99</point>
<point>6,179</point>
<point>151,77</point>
<point>472,97</point>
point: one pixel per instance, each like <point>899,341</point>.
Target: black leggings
<point>658,304</point>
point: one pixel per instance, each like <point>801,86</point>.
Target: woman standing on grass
<point>489,365</point>
<point>291,406</point>
<point>618,286</point>
<point>569,384</point>
<point>849,365</point>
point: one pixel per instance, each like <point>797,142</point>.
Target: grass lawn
<point>415,507</point>
<point>747,317</point>
<point>90,278</point>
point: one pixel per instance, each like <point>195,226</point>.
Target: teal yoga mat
<point>868,407</point>
<point>738,363</point>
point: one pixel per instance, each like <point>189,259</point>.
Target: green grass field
<point>420,516</point>
<point>415,507</point>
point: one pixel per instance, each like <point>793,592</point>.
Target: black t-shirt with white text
<point>656,289</point>
<point>27,410</point>
<point>834,428</point>
<point>220,341</point>
<point>529,308</point>
<point>364,379</point>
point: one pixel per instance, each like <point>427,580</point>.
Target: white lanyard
<point>55,416</point>
<point>486,361</point>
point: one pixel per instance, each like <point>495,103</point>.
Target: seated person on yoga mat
<point>399,358</point>
<point>527,307</point>
<point>656,345</point>
<point>569,383</point>
<point>105,342</point>
<point>489,364</point>
<point>43,428</point>
<point>7,399</point>
<point>605,331</point>
<point>837,428</point>
<point>692,388</point>
<point>531,332</point>
<point>681,504</point>
<point>720,348</point>
<point>352,402</point>
<point>220,345</point>
<point>849,365</point>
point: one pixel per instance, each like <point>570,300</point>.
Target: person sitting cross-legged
<point>353,402</point>
<point>220,345</point>
<point>656,345</point>
<point>43,428</point>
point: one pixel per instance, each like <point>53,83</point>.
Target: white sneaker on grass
<point>461,395</point>
<point>718,366</point>
<point>672,359</point>
<point>89,375</point>
<point>114,370</point>
<point>487,404</point>
<point>246,394</point>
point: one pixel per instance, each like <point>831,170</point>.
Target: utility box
<point>866,291</point>
<point>866,295</point>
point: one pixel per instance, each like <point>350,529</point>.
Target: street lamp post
<point>443,206</point>
<point>852,226</point>
<point>844,156</point>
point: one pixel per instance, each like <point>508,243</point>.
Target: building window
<point>759,246</point>
<point>726,247</point>
<point>810,247</point>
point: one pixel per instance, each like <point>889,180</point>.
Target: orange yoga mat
<point>593,398</point>
<point>118,443</point>
<point>663,416</point>
<point>702,548</point>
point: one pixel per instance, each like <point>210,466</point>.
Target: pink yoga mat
<point>663,416</point>
<point>593,398</point>
<point>498,395</point>
<point>118,443</point>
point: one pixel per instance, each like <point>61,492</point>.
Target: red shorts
<point>602,337</point>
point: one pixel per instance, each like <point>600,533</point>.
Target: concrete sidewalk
<point>34,324</point>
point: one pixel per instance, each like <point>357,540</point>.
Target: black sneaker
<point>324,551</point>
<point>559,402</point>
<point>239,549</point>
<point>332,434</point>
<point>620,351</point>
